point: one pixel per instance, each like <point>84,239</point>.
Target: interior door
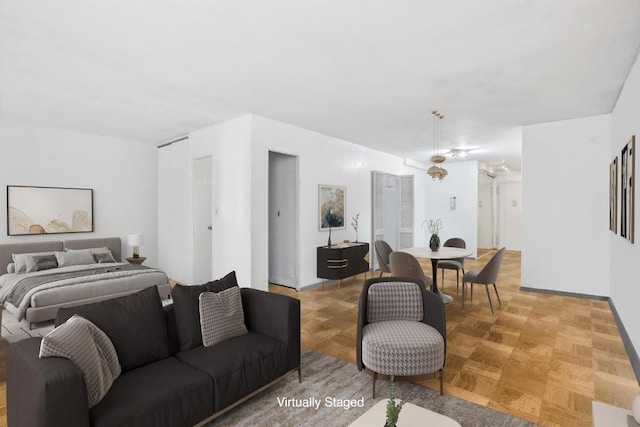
<point>378,212</point>
<point>283,219</point>
<point>406,217</point>
<point>202,220</point>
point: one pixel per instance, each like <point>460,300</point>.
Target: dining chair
<point>456,264</point>
<point>487,276</point>
<point>406,265</point>
<point>383,250</point>
<point>401,331</point>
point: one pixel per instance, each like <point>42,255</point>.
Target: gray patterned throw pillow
<point>89,349</point>
<point>221,316</point>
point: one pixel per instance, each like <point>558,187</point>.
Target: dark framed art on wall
<point>627,186</point>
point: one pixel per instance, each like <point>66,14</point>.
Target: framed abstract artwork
<point>613,195</point>
<point>627,185</point>
<point>48,210</point>
<point>331,207</point>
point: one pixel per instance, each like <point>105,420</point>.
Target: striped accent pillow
<point>89,349</point>
<point>221,316</point>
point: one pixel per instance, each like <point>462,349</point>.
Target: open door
<point>283,219</point>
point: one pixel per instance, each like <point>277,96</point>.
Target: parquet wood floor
<point>541,357</point>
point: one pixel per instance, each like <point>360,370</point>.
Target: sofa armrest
<point>44,392</point>
<point>274,315</point>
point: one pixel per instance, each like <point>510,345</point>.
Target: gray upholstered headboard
<point>6,249</point>
<point>113,243</point>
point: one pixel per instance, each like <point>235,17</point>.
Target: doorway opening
<point>283,219</point>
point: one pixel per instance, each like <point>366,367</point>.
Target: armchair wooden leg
<point>489,296</point>
<point>471,291</point>
<point>373,396</point>
<point>441,381</point>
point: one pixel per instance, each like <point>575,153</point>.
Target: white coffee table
<point>410,416</point>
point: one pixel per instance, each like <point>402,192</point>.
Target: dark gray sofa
<point>159,385</point>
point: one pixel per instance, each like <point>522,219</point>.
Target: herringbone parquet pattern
<point>541,357</point>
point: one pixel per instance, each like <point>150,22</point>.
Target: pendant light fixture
<point>436,171</point>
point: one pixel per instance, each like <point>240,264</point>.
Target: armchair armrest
<point>44,392</point>
<point>274,315</point>
<point>434,313</point>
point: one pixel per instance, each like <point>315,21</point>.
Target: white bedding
<point>78,288</point>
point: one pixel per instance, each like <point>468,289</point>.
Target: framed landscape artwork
<point>613,195</point>
<point>627,202</point>
<point>331,207</point>
<point>48,210</point>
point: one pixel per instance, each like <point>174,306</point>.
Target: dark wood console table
<point>342,260</point>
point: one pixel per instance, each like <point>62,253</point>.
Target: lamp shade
<point>136,239</point>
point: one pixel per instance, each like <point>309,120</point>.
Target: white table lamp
<point>136,240</point>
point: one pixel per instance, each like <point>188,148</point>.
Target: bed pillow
<point>136,324</point>
<point>221,316</point>
<point>21,260</point>
<point>102,257</point>
<point>90,349</point>
<point>41,262</point>
<point>97,254</point>
<point>186,308</point>
<point>82,257</point>
<point>11,267</point>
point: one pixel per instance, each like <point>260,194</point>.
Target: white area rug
<point>14,330</point>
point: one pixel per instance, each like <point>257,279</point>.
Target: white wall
<point>321,160</point>
<point>625,292</point>
<point>565,237</point>
<point>461,183</point>
<point>240,150</point>
<point>121,173</point>
<point>229,144</point>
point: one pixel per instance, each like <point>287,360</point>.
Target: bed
<point>37,295</point>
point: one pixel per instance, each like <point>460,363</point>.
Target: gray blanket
<point>25,285</point>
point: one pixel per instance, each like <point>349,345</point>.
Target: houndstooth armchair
<point>401,330</point>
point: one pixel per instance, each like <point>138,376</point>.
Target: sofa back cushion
<point>135,323</point>
<point>186,307</point>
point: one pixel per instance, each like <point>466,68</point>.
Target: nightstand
<point>138,261</point>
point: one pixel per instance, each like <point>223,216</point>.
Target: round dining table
<point>435,256</point>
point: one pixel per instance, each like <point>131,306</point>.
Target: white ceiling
<point>368,71</point>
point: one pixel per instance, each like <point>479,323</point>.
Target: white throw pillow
<point>11,267</point>
<point>89,349</point>
<point>82,257</point>
<point>221,316</point>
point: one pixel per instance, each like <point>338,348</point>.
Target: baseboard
<point>564,294</point>
<point>628,345</point>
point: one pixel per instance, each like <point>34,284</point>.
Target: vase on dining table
<point>434,242</point>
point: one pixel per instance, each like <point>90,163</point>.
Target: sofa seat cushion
<point>239,366</point>
<point>163,393</point>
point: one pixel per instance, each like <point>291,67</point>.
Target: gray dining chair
<point>456,264</point>
<point>406,265</point>
<point>487,276</point>
<point>383,250</point>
